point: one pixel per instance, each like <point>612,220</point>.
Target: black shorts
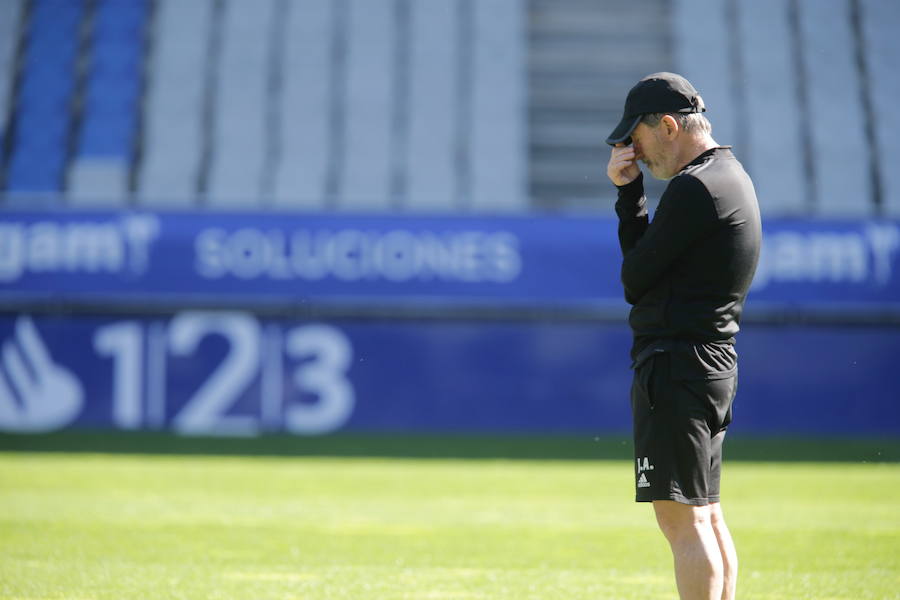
<point>679,426</point>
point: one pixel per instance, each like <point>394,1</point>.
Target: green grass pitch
<point>98,526</point>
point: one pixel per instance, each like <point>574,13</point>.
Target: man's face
<point>651,149</point>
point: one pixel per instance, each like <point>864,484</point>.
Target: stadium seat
<point>120,20</point>
<point>434,137</point>
<point>498,151</point>
<point>241,106</point>
<point>365,176</point>
<point>47,90</point>
<point>37,128</point>
<point>94,181</point>
<point>173,143</point>
<point>100,170</point>
<point>377,105</point>
<point>58,16</point>
<point>108,136</point>
<point>10,18</point>
<point>773,114</point>
<point>743,67</point>
<point>106,93</point>
<point>707,62</point>
<point>469,129</point>
<point>364,105</point>
<point>880,24</point>
<point>43,100</point>
<point>842,182</point>
<point>770,79</point>
<point>51,43</point>
<point>300,170</point>
<point>35,173</point>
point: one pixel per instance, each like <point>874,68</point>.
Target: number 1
<point>123,342</point>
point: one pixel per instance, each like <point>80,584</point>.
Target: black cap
<point>656,93</point>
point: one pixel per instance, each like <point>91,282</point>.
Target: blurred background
<point>238,217</point>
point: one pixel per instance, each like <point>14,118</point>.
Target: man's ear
<point>669,126</point>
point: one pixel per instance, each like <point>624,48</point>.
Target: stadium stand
<point>789,82</point>
<point>880,22</point>
<point>365,105</point>
<point>105,147</point>
<point>584,55</point>
<point>238,148</point>
<point>174,111</point>
<point>433,140</point>
<point>498,107</point>
<point>300,166</point>
<point>836,120</point>
<point>432,109</point>
<point>459,105</point>
<point>43,98</point>
<point>10,18</point>
<point>769,80</point>
<point>370,69</point>
<point>739,57</point>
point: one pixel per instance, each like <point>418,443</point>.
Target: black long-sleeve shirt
<point>687,271</point>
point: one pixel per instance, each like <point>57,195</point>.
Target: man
<point>686,274</point>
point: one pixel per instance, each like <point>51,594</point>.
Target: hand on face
<point>623,167</point>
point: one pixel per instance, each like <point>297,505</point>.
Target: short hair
<point>690,122</point>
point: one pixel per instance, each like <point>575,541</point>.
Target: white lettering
<point>469,255</point>
<point>93,247</point>
<point>279,266</point>
<point>247,253</point>
<point>140,231</point>
<point>325,355</point>
<point>12,251</point>
<point>884,240</point>
<point>45,248</point>
<point>437,255</point>
<point>851,257</point>
<point>643,464</point>
<point>347,253</point>
<point>837,257</point>
<point>209,260</point>
<point>306,254</point>
<point>506,261</point>
<point>397,255</point>
<point>76,247</point>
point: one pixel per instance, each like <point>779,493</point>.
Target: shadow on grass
<point>511,447</point>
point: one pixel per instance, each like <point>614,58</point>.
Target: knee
<point>717,520</point>
<point>678,521</point>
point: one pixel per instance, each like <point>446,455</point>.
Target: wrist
<point>635,185</point>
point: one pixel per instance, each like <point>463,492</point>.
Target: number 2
<point>205,411</point>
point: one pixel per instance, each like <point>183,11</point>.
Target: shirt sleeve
<point>631,208</point>
<point>685,213</point>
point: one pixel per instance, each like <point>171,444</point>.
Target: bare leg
<point>726,547</point>
<point>698,559</point>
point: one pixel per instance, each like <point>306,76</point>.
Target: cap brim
<point>623,130</point>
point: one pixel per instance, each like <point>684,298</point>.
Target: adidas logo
<point>642,481</point>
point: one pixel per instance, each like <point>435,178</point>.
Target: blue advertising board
<point>233,373</point>
<point>234,260</point>
<point>215,258</point>
<point>849,266</point>
<point>182,335</point>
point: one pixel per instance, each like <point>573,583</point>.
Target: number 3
<point>323,376</point>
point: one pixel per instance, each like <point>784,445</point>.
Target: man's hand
<point>623,167</point>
